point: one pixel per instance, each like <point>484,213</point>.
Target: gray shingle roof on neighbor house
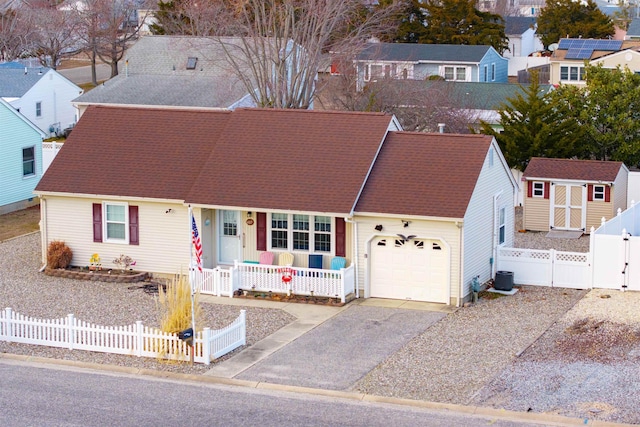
<point>469,95</point>
<point>155,72</point>
<point>634,28</point>
<point>516,25</point>
<point>423,52</point>
<point>14,82</point>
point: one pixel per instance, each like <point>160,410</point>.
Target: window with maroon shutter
<point>97,222</point>
<point>341,237</point>
<point>529,188</point>
<point>607,193</point>
<point>261,231</point>
<point>600,193</point>
<point>133,226</point>
<point>538,189</point>
<point>590,192</point>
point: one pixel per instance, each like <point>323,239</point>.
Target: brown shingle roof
<point>425,174</point>
<point>583,170</point>
<point>155,153</point>
<point>291,159</point>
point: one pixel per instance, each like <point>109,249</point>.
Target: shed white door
<point>415,269</point>
<point>568,209</point>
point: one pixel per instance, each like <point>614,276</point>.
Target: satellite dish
<point>552,47</point>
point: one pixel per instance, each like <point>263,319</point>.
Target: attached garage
<point>409,268</point>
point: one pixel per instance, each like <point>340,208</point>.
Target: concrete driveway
<point>338,352</point>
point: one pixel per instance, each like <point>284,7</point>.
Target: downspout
<point>43,232</point>
<point>355,255</point>
<point>460,226</point>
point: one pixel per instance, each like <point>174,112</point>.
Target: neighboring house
<point>563,194</point>
<point>633,32</point>
<point>176,71</point>
<point>527,8</point>
<point>521,32</point>
<point>21,159</point>
<point>420,61</point>
<point>393,203</point>
<point>569,58</point>
<point>41,94</point>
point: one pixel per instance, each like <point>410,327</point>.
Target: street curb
<point>492,413</point>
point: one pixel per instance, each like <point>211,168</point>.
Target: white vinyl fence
<point>135,340</point>
<point>268,278</point>
<point>546,268</point>
<point>49,152</point>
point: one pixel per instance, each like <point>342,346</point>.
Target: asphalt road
<point>49,395</point>
<point>82,75</point>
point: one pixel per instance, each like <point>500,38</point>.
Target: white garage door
<point>413,269</point>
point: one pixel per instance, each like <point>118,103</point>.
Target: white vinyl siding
<point>481,221</point>
<point>164,238</point>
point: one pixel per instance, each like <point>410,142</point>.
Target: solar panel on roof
<point>574,53</point>
<point>592,44</point>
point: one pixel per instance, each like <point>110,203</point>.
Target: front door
<point>229,232</point>
<point>567,208</point>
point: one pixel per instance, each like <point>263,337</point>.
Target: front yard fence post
<point>70,330</point>
<point>206,345</point>
<point>139,345</point>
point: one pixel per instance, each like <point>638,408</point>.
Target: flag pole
<point>192,273</point>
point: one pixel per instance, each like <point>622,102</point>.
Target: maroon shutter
<point>341,234</point>
<point>133,226</point>
<point>607,193</point>
<point>547,187</point>
<point>529,188</point>
<point>590,192</point>
<point>261,231</point>
<point>97,222</point>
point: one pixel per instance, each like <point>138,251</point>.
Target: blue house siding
<point>490,60</point>
<point>17,133</point>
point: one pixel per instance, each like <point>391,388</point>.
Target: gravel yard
<point>35,294</point>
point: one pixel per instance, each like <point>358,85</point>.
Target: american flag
<point>195,238</point>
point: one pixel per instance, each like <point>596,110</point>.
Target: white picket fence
<point>135,340</point>
<point>268,278</point>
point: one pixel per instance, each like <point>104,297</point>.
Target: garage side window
<point>501,226</point>
<point>598,192</point>
<point>538,189</point>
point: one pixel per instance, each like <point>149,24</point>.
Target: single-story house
<point>314,184</point>
<point>41,94</point>
<point>478,63</point>
<point>564,194</point>
<point>21,159</point>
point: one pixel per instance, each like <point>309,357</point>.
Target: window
<point>486,73</point>
<point>491,157</point>
<point>493,72</point>
<point>598,192</point>
<point>455,73</point>
<point>28,161</point>
<point>38,109</point>
<point>299,232</point>
<point>538,189</point>
<point>501,226</point>
<point>573,73</point>
<point>115,223</point>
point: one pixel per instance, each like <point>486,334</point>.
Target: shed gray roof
<point>423,52</point>
<point>516,25</point>
<point>14,82</point>
<point>155,72</point>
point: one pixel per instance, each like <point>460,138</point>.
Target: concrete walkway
<point>348,330</point>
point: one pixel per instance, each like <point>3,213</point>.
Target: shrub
<point>174,304</point>
<point>59,255</point>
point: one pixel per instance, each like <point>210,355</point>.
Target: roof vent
<point>191,63</point>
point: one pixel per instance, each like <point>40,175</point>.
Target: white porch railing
<point>547,267</point>
<point>135,340</point>
<point>268,278</point>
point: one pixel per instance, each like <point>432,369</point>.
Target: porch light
<point>249,214</point>
<point>378,227</point>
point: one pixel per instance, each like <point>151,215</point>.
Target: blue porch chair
<point>338,262</point>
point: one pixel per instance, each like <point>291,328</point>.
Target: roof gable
<point>419,174</point>
<point>580,170</point>
<point>9,107</point>
<point>296,160</point>
<point>518,25</point>
<point>414,52</point>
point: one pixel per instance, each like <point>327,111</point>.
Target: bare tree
<point>282,44</point>
<point>53,33</point>
<point>13,35</point>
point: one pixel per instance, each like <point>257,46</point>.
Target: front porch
<point>314,282</point>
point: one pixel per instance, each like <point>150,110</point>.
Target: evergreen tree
<point>532,128</point>
<point>566,18</point>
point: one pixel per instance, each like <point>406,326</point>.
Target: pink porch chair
<point>267,258</point>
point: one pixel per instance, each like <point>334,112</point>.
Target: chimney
<point>441,127</point>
